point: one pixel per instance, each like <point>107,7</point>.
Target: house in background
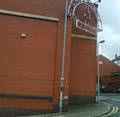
<point>109,75</point>
<point>116,60</point>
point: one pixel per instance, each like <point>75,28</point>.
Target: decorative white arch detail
<point>80,24</point>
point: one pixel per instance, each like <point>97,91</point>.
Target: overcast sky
<point>110,14</point>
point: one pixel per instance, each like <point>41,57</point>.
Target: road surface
<point>113,99</point>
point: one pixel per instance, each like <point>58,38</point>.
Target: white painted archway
<point>73,5</point>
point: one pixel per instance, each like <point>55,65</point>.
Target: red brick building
<point>31,52</point>
<point>109,74</point>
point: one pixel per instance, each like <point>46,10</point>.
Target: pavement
<point>87,110</point>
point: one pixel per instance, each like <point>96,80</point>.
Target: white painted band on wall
<point>28,15</point>
<point>83,36</point>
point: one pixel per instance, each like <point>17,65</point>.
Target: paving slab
<point>87,110</point>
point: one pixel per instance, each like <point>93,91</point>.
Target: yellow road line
<point>110,113</point>
<point>114,110</point>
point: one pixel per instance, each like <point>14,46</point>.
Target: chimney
<point>116,56</point>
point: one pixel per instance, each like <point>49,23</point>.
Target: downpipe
<point>63,59</point>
